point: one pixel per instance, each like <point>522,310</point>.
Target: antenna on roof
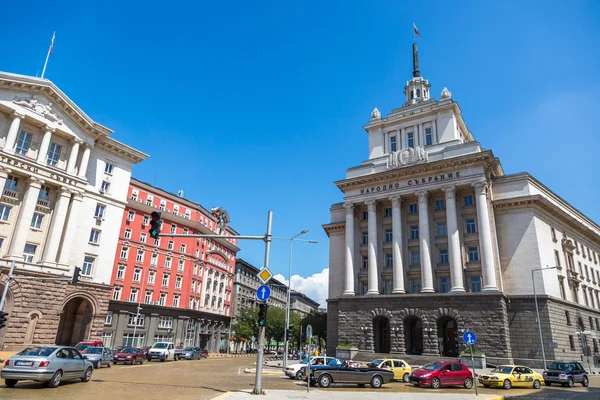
<point>180,193</point>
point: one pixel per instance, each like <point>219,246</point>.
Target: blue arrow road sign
<point>263,293</point>
<point>469,338</point>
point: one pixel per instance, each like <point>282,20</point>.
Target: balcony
<point>573,276</point>
<point>43,203</point>
<point>12,194</point>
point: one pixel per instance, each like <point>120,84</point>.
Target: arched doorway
<point>381,329</point>
<point>75,322</point>
<point>413,331</point>
<point>447,331</point>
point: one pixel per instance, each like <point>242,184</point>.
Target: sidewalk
<point>317,394</point>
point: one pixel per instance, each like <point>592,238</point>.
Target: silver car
<point>50,364</point>
<point>98,356</point>
<point>190,353</point>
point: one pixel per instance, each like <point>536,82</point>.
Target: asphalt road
<point>209,378</point>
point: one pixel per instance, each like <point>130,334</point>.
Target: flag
<point>417,31</point>
<point>54,36</point>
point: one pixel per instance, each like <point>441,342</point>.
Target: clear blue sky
<point>260,105</point>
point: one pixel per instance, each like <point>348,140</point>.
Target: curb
<point>222,396</point>
<point>253,371</point>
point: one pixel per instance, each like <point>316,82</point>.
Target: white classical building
<point>64,187</point>
<point>433,238</point>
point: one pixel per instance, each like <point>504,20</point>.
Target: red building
<point>183,285</point>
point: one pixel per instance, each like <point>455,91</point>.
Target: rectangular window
<point>393,144</point>
<point>468,201</point>
<point>470,226</point>
<point>157,242</point>
<point>441,229</point>
<point>88,266</point>
<point>568,318</point>
<point>176,300</point>
<point>108,318</point>
<point>53,154</point>
<point>151,276</point>
<point>443,256</point>
<point>414,232</point>
<point>154,259</point>
<point>44,193</point>
<point>4,212</point>
<point>428,137</point>
<point>411,140</point>
<point>387,212</point>
<point>137,273</point>
<point>553,233</point>
<point>121,272</point>
<point>364,287</point>
<point>587,272</point>
<point>29,252</point>
<point>165,322</point>
<point>572,342</point>
<point>133,295</point>
<point>415,285</point>
<point>173,228</point>
<point>105,188</point>
<point>387,286</point>
<point>124,253</point>
<point>143,236</point>
<point>597,324</point>
<point>146,220</point>
<point>131,216</point>
<point>140,256</point>
<point>167,262</point>
<point>444,284</point>
<point>413,208</point>
<point>117,293</point>
<point>389,260</point>
<point>23,143</point>
<point>188,214</point>
<point>12,183</point>
<point>475,284</point>
<point>170,245</point>
<point>388,235</point>
<point>36,221</point>
<point>165,280</point>
<point>148,297</point>
<point>131,340</point>
<point>595,343</point>
<point>415,258</point>
<point>365,215</point>
<point>365,238</point>
<point>473,254</point>
<point>365,262</point>
<point>180,265</point>
<point>127,234</point>
<point>136,320</point>
<point>100,210</point>
<point>94,236</point>
<point>561,287</point>
<point>182,248</point>
<point>163,205</point>
<point>178,281</point>
<point>162,300</point>
<point>186,231</point>
<point>557,258</point>
<point>108,167</point>
<point>440,204</point>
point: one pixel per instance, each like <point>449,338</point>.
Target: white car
<point>294,371</point>
<point>162,351</point>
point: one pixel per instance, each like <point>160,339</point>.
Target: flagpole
<point>48,56</point>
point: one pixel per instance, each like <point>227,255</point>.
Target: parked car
<point>51,364</point>
<point>98,356</point>
<point>338,371</point>
<point>129,355</point>
<point>145,350</point>
<point>400,368</point>
<point>162,351</point>
<point>190,353</point>
<point>116,349</point>
<point>84,344</point>
<point>442,373</point>
<point>507,376</point>
<point>294,371</point>
<point>567,373</point>
<point>204,353</point>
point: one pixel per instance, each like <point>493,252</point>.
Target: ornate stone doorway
<point>447,339</point>
<point>381,329</point>
<point>413,332</point>
<point>75,322</point>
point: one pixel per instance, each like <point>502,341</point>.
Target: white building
<point>433,238</point>
<point>65,183</point>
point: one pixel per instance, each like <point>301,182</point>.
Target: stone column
<point>3,175</point>
<point>203,293</point>
<point>426,269</point>
<point>349,272</point>
<point>23,221</point>
<point>223,294</point>
<point>85,158</point>
<point>43,153</point>
<point>13,132</point>
<point>73,156</point>
<point>456,273</point>
<point>69,235</point>
<point>56,226</point>
<point>485,237</point>
<point>397,245</point>
<point>372,273</point>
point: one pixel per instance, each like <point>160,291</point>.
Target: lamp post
<point>537,312</point>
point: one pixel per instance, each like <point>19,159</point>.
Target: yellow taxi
<point>400,368</point>
<point>507,376</point>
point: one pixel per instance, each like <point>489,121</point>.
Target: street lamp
<point>537,312</point>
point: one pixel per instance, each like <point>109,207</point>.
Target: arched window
<point>418,92</point>
<point>412,95</point>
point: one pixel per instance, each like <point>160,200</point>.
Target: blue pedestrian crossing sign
<point>263,293</point>
<point>469,338</point>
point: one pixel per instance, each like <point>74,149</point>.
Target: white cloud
<point>314,286</point>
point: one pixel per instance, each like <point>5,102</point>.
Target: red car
<point>129,355</point>
<point>204,353</point>
<point>442,373</point>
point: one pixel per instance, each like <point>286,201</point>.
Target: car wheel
<point>469,383</point>
<point>299,375</point>
<point>376,382</point>
<point>570,382</point>
<point>547,383</point>
<point>87,376</point>
<point>10,382</point>
<point>163,359</point>
<point>142,361</point>
<point>110,364</point>
<point>324,381</point>
<point>405,377</point>
<point>507,384</point>
<point>537,384</point>
<point>55,380</point>
<point>585,382</point>
<point>96,365</point>
<point>435,383</point>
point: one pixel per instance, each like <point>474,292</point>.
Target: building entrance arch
<point>381,330</point>
<point>75,322</point>
<point>447,337</point>
<point>413,332</point>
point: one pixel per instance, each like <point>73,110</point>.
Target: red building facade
<point>182,285</point>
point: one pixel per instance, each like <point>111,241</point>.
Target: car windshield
<point>128,350</point>
<point>93,350</point>
<point>432,366</point>
<point>502,369</point>
<point>37,351</point>
<point>82,346</point>
<point>189,349</point>
<point>559,365</point>
<point>305,361</point>
<point>160,346</point>
<point>376,362</point>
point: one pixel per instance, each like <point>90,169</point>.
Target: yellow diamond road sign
<point>265,275</point>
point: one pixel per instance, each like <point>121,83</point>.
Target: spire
<point>416,72</point>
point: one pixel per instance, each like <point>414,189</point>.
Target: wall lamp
<point>395,329</point>
<point>364,328</point>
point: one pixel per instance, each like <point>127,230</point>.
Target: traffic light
<point>304,337</point>
<point>155,225</point>
<point>3,320</point>
<point>288,335</point>
<point>76,274</point>
<point>262,314</point>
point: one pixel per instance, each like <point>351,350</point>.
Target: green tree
<point>246,325</point>
<point>318,320</point>
<point>275,327</point>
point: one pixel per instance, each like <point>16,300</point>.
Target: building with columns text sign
<point>64,184</point>
<point>433,238</point>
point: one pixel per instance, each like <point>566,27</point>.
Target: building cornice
<point>121,149</point>
<point>334,227</point>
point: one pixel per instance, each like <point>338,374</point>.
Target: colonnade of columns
<point>454,256</point>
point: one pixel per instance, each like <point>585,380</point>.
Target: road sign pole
<point>473,367</point>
